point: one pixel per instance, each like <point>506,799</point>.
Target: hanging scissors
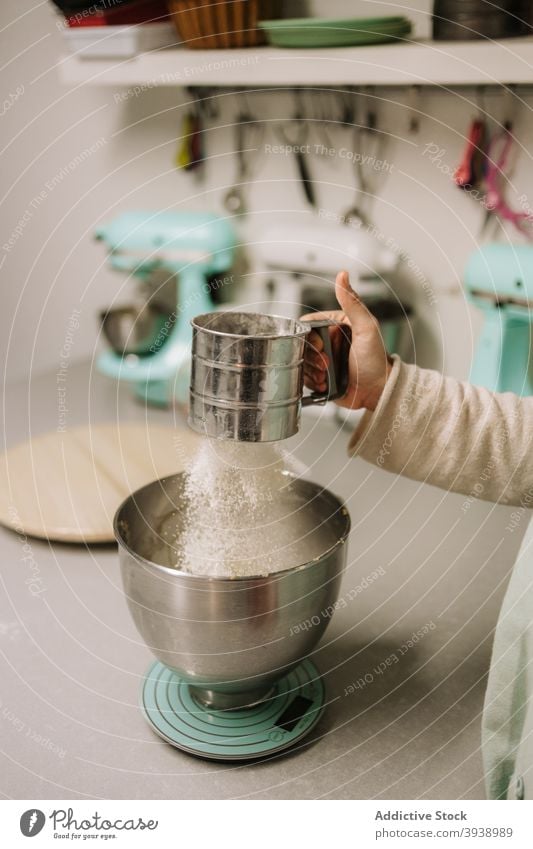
<point>469,173</point>
<point>496,161</point>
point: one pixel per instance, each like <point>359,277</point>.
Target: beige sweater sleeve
<point>452,435</point>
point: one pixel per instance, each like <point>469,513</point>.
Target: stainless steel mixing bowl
<point>136,329</point>
<point>230,638</point>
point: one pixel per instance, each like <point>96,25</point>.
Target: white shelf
<point>423,63</point>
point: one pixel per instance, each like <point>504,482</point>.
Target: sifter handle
<point>337,375</point>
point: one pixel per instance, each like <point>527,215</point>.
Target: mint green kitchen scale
<point>290,712</point>
<point>499,280</point>
<point>150,346</point>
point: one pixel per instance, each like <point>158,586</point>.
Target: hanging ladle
<point>355,214</point>
<point>234,200</point>
<point>368,131</point>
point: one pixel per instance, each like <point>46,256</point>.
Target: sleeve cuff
<point>371,418</point>
<point>370,437</point>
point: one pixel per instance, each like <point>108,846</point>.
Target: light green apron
<point>507,732</point>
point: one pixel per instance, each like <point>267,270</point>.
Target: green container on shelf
<point>335,32</point>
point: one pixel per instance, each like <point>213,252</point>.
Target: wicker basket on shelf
<point>211,24</point>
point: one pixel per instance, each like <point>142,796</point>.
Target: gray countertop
<point>72,662</point>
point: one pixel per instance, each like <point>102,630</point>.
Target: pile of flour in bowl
<point>244,513</point>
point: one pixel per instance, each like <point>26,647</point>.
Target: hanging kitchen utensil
<point>348,118</point>
<point>337,110</point>
<point>413,103</point>
<point>297,144</point>
<point>248,132</point>
<point>346,101</point>
<point>376,140</point>
<point>498,155</point>
<point>190,153</point>
<point>305,178</point>
<point>183,157</point>
<point>470,171</point>
<point>368,149</point>
<point>355,213</point>
<point>197,152</point>
<point>322,118</point>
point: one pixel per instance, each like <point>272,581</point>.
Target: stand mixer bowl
<point>136,329</point>
<point>231,639</point>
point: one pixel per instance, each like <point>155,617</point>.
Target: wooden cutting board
<point>67,486</point>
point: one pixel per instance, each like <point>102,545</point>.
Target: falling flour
<point>243,513</point>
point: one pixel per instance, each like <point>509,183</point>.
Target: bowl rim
<point>168,570</point>
<point>301,330</point>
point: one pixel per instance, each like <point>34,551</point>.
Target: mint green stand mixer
<point>499,280</point>
<point>154,354</point>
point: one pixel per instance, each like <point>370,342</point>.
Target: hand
<point>369,364</point>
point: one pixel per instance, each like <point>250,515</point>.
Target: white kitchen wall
<point>72,157</point>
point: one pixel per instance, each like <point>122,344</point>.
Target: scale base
<point>279,722</point>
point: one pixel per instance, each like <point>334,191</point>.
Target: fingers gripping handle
<point>337,375</point>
